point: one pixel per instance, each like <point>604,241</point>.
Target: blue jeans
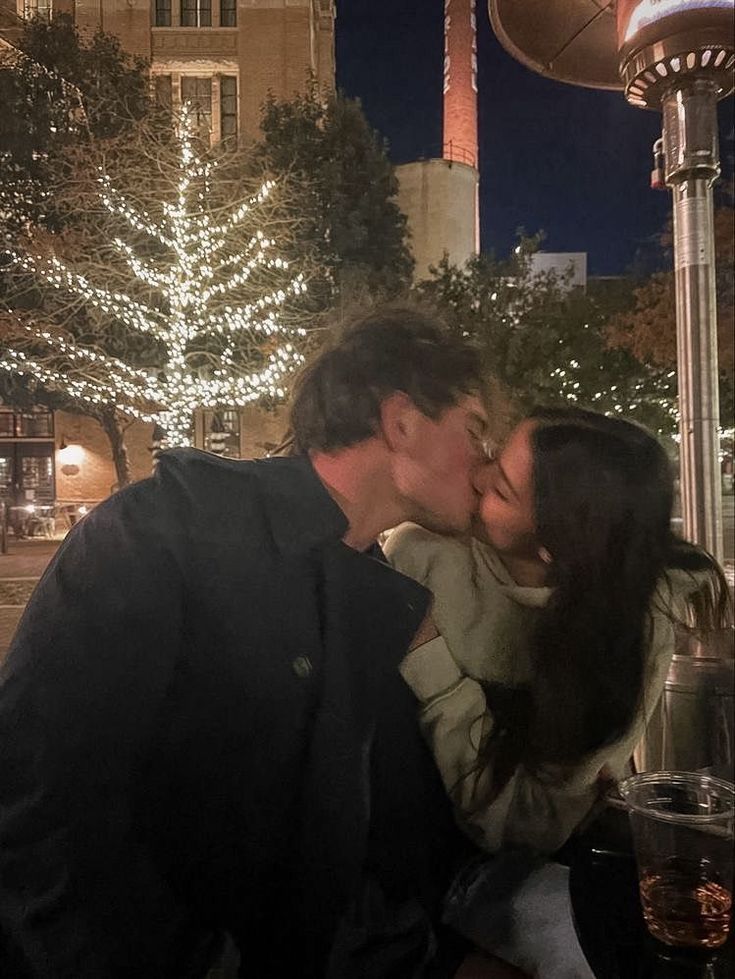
<point>516,905</point>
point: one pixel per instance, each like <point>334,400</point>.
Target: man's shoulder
<point>186,487</point>
<point>209,478</point>
<point>195,466</point>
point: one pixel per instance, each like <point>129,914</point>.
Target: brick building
<point>226,56</point>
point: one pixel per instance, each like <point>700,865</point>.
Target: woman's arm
<point>457,723</point>
<point>537,809</point>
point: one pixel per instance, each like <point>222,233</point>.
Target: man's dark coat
<point>202,727</point>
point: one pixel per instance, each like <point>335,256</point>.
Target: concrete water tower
<point>440,197</point>
<point>676,56</point>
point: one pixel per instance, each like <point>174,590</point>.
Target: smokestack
<point>460,82</point>
<point>440,198</point>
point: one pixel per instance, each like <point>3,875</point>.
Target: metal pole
<point>692,165</point>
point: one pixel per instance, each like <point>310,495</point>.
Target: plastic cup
<point>683,829</point>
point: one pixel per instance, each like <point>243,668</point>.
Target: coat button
<point>302,667</point>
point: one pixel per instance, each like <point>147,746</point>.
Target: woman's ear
<point>398,417</point>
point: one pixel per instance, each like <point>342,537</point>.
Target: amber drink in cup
<point>683,827</point>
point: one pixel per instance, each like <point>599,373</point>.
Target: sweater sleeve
<point>80,693</point>
<point>535,809</point>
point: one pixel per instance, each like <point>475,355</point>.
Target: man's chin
<point>477,529</point>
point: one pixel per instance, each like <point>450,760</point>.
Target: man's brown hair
<point>337,397</point>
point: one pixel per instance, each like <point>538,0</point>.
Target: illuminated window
<point>198,92</point>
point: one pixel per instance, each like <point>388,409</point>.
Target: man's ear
<point>399,419</point>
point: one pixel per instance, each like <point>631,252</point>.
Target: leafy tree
<point>57,90</point>
<point>350,189</point>
<point>166,293</point>
<point>545,342</point>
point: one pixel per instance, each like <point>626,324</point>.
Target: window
<point>37,475</point>
<point>37,8</point>
<point>163,13</point>
<point>26,473</point>
<point>228,13</point>
<point>6,477</point>
<point>198,92</point>
<point>222,433</point>
<point>162,85</point>
<point>34,424</point>
<point>196,13</point>
<point>228,106</point>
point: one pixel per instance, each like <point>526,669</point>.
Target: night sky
<point>570,161</point>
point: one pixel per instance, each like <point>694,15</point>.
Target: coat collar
<point>301,511</point>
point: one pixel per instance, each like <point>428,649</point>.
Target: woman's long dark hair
<point>603,503</point>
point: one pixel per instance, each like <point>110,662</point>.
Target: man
<point>201,722</point>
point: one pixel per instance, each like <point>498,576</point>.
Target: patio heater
<point>677,56</point>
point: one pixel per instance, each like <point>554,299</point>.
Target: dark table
<point>608,918</point>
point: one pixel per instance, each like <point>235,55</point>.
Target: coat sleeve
<point>534,809</point>
<point>80,693</point>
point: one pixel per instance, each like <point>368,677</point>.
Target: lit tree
<point>168,293</point>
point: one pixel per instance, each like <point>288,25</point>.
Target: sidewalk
<point>20,569</point>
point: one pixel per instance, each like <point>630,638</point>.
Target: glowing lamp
<point>70,454</point>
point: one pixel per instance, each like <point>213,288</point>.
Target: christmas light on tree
<point>194,286</point>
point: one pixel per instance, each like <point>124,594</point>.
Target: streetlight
<point>677,55</point>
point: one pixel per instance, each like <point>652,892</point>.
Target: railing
<point>459,154</point>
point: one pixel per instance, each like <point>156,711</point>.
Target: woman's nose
<point>482,477</point>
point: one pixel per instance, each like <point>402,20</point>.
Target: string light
<point>658,391</point>
<point>222,345</point>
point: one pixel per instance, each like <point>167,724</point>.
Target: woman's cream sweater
<point>486,623</point>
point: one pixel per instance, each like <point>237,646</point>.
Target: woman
<point>553,628</point>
